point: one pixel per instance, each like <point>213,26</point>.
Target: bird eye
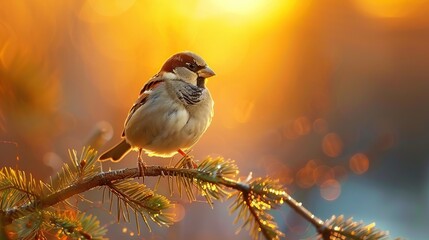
<point>192,66</point>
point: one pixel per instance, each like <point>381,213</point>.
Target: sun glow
<point>388,8</point>
<point>137,36</point>
<point>241,6</point>
<point>304,90</point>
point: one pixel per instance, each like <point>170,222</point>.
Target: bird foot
<point>141,165</point>
<point>189,162</point>
<point>142,168</point>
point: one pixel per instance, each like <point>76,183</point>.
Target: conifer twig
<point>108,178</point>
<point>105,178</point>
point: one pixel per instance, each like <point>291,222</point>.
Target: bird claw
<point>190,163</point>
<point>142,168</point>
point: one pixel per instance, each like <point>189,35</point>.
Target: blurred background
<point>328,96</point>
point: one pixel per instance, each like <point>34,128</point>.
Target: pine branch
<point>253,206</point>
<point>17,188</point>
<point>100,179</point>
<point>142,200</point>
<point>253,200</point>
<point>341,228</point>
<point>59,224</point>
<point>81,167</point>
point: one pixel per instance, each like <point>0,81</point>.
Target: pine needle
<point>342,228</point>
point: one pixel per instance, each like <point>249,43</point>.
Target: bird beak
<point>206,72</point>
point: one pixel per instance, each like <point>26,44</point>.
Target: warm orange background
<point>328,96</point>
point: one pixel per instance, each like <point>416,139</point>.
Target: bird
<point>173,110</point>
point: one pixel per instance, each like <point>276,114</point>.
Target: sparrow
<point>173,110</point>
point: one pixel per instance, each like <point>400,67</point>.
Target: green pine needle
<point>82,166</point>
<point>252,208</point>
<point>142,201</point>
<point>17,188</point>
<point>36,209</point>
<point>207,181</point>
<point>342,228</point>
<point>218,167</point>
<point>72,224</point>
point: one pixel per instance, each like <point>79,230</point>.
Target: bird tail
<point>116,153</point>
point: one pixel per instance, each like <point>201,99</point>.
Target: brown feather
<point>153,83</point>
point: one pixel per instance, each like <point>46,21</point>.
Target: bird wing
<point>144,94</point>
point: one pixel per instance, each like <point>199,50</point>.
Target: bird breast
<point>164,124</point>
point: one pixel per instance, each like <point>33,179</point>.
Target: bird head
<point>188,67</point>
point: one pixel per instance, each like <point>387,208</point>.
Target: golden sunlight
<point>111,8</point>
<point>388,8</point>
<point>240,6</point>
<point>310,92</point>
